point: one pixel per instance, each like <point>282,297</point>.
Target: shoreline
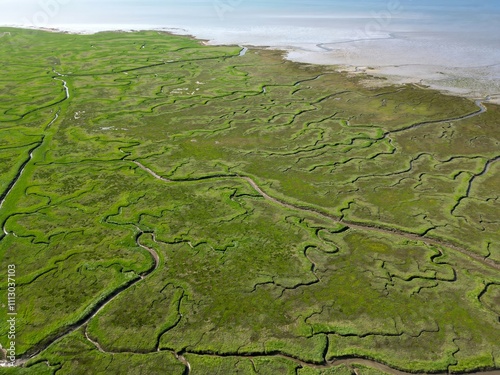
<point>480,82</point>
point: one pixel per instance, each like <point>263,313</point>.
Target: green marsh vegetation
<point>189,210</point>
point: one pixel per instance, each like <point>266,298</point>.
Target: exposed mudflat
<point>447,62</point>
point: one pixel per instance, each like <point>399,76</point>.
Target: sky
<point>453,14</point>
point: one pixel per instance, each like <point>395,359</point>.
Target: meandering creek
<point>99,306</point>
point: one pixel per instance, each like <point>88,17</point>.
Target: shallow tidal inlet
<point>172,207</point>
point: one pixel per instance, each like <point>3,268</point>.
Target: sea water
<point>452,44</point>
<point>291,20</point>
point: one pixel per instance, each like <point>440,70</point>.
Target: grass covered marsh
<point>174,207</point>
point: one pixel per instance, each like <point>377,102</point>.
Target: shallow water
<point>450,44</point>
